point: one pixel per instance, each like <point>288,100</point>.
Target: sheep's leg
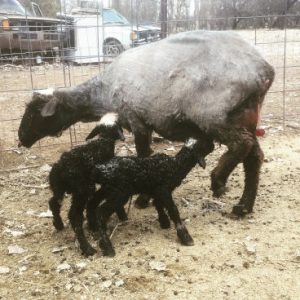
<point>252,165</point>
<point>168,203</point>
<point>55,205</point>
<point>142,139</point>
<point>163,219</point>
<point>76,220</point>
<point>239,143</point>
<point>142,143</point>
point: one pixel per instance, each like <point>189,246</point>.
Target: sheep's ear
<point>93,133</point>
<point>49,108</point>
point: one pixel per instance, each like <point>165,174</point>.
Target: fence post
<point>284,75</point>
<point>255,30</point>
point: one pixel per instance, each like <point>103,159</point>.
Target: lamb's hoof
<point>240,210</point>
<point>142,202</point>
<point>185,238</point>
<point>107,248</point>
<point>109,253</point>
<point>59,225</point>
<point>122,215</point>
<point>164,223</point>
<point>89,251</point>
<point>123,218</point>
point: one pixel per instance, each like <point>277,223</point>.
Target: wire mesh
<point>28,65</point>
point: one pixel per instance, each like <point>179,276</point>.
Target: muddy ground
<point>254,258</point>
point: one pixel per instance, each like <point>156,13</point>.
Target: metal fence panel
<point>281,48</point>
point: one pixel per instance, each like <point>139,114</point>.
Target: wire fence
<point>79,47</point>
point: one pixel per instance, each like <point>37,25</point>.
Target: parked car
<point>27,33</point>
<point>103,32</point>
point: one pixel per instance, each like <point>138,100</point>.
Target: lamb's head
<point>40,119</point>
<point>108,127</point>
<point>199,149</point>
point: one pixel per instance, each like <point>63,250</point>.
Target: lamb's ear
<point>93,133</point>
<point>49,108</point>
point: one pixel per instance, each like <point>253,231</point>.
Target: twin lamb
<point>78,171</point>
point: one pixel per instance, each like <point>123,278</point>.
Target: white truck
<point>101,33</point>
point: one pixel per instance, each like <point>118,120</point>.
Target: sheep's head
<point>39,120</point>
<point>108,127</point>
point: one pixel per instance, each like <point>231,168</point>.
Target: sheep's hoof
<point>185,238</point>
<point>240,210</point>
<point>89,251</point>
<point>217,186</point>
<point>142,202</point>
<point>58,224</point>
<point>217,193</point>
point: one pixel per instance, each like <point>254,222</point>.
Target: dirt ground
<point>254,258</point>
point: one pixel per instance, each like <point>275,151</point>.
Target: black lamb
<point>72,174</point>
<point>156,176</point>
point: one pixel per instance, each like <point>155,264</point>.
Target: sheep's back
<point>201,75</point>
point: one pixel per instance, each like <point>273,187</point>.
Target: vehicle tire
<point>112,48</point>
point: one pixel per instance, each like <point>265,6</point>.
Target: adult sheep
<point>190,84</point>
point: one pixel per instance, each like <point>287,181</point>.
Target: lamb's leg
<point>92,205</point>
<point>91,208</point>
<point>76,220</point>
<point>55,205</point>
<point>252,165</point>
<point>166,199</point>
<point>105,243</point>
<point>121,213</point>
<point>163,219</point>
<point>113,202</point>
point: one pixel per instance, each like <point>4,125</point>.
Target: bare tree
<point>164,18</point>
<point>280,22</point>
<point>197,13</point>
